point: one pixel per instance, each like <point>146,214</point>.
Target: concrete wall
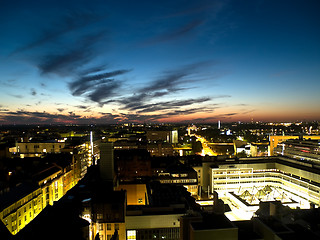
<point>153,221</point>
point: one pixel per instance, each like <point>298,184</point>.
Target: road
<point>206,150</point>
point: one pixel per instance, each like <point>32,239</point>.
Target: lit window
<point>101,226</point>
<point>131,234</point>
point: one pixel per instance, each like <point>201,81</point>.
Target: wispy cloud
<point>33,92</point>
<point>168,105</point>
<point>85,83</point>
<point>16,95</point>
<point>33,117</point>
<point>168,83</point>
<point>69,22</point>
<point>175,33</point>
<point>96,86</point>
<point>68,61</point>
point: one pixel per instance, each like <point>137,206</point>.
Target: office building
<point>244,183</point>
<point>167,136</point>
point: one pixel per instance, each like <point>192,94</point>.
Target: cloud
<point>33,92</point>
<point>169,82</point>
<point>175,33</point>
<point>16,95</point>
<point>96,86</point>
<point>68,61</point>
<point>104,91</point>
<point>81,106</point>
<point>60,109</point>
<point>198,8</point>
<point>67,23</point>
<point>29,117</point>
<point>87,82</point>
<point>169,105</point>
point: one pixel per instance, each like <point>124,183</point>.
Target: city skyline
<point>169,61</point>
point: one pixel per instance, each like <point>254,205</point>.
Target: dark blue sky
<point>159,61</point>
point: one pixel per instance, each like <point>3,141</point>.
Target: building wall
<point>106,161</point>
<point>274,140</point>
<point>30,149</point>
<point>19,214</point>
<point>160,149</point>
<point>106,230</point>
<point>152,221</point>
<point>297,181</point>
<point>51,189</point>
<point>153,227</point>
<point>209,234</point>
<point>168,136</point>
<point>136,193</point>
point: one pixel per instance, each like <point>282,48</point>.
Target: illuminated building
<point>179,174</point>
<point>168,136</point>
<point>136,193</point>
<point>275,140</point>
<point>242,147</point>
<point>37,149</point>
<point>160,149</point>
<point>49,185</point>
<point>108,209</point>
<point>161,218</point>
<point>249,149</point>
<point>86,150</point>
<point>248,181</point>
<point>153,225</point>
<point>191,128</point>
<point>307,150</point>
<point>20,206</point>
<point>125,145</point>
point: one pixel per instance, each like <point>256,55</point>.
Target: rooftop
<point>213,221</point>
<point>16,193</point>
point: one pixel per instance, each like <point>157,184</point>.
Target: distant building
<point>133,164</point>
<point>242,147</point>
<point>37,149</point>
<point>308,150</point>
<point>168,136</point>
<point>160,149</point>
<point>177,174</point>
<point>274,140</point>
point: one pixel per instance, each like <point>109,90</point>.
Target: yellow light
<point>131,234</point>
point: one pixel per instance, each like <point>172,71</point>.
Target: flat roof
<point>213,221</point>
<point>17,193</point>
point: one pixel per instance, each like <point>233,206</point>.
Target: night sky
<point>159,61</point>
